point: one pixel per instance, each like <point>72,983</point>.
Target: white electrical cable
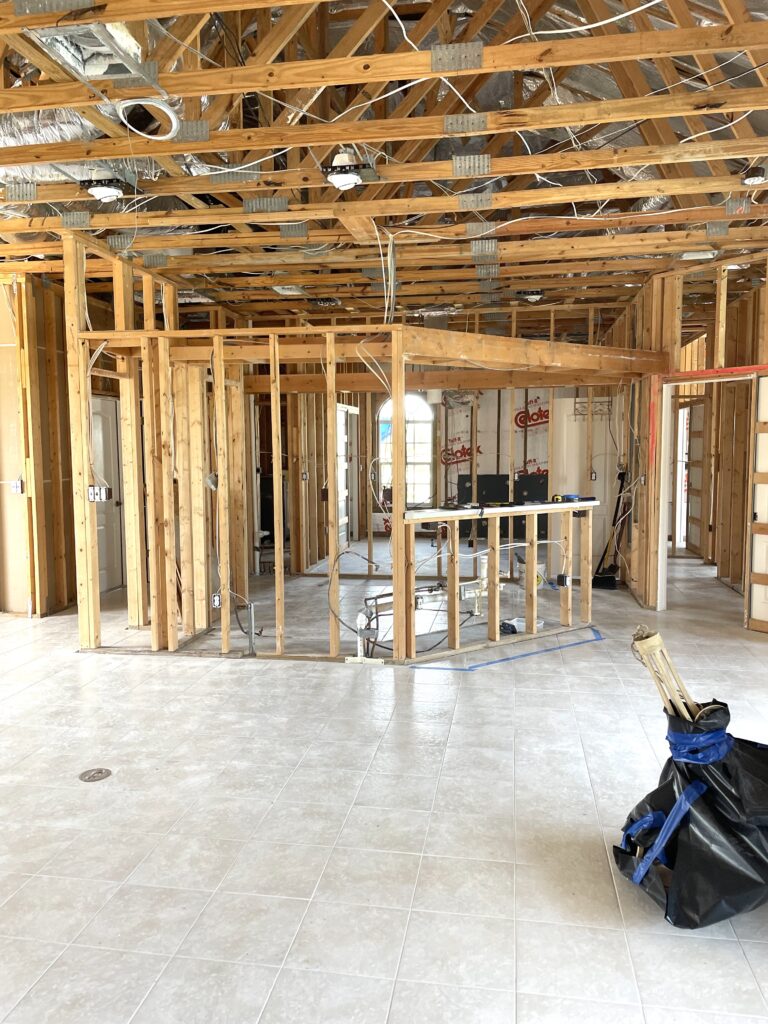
<point>586,28</point>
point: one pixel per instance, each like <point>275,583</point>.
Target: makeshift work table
<point>452,517</point>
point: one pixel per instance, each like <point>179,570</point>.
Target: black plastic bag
<point>698,844</point>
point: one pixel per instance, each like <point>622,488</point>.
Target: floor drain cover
<point>95,775</point>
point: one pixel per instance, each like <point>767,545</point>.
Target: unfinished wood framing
<point>241,321</point>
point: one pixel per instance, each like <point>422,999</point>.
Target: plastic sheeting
<point>698,844</point>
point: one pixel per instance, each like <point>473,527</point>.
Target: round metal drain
<point>95,775</point>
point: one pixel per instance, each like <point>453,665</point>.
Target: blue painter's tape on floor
<point>595,638</point>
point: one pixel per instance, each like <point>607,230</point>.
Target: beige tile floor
<point>293,843</point>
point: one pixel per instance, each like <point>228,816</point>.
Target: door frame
<point>669,384</point>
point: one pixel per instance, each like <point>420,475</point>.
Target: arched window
<point>418,450</point>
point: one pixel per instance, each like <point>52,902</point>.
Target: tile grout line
<point>218,889</point>
<point>624,929</point>
<point>320,877</point>
<point>421,860</point>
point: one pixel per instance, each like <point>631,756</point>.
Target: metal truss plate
<point>297,230</point>
<point>76,219</point>
<point>120,241</point>
<point>473,165</point>
<point>738,205</point>
<point>193,131</point>
<point>149,72</point>
<point>21,191</point>
<point>464,124</point>
<point>237,177</point>
<point>155,259</point>
<point>476,201</point>
<point>457,56</point>
<point>488,271</point>
<point>717,228</point>
<point>485,250</point>
<point>488,287</point>
<point>49,6</point>
<point>473,228</point>
<point>373,272</point>
<point>266,204</point>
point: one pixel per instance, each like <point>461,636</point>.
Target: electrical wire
<point>587,28</point>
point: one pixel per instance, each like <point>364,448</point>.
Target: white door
<point>106,467</point>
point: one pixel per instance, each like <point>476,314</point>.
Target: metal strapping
<point>120,241</point>
<point>266,204</point>
<point>485,250</point>
<point>76,219</point>
<point>465,124</point>
<point>473,165</point>
<point>236,177</point>
<point>476,201</point>
<point>21,191</point>
<point>738,204</point>
<point>457,56</point>
<point>193,131</point>
<point>297,230</point>
<point>49,6</point>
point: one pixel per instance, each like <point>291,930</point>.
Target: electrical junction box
<point>99,494</point>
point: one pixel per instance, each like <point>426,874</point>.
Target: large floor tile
<point>482,888</point>
<point>568,892</point>
<point>314,998</point>
<point>369,877</point>
<point>418,1003</point>
<point>376,828</point>
<point>204,992</point>
<point>187,862</point>
<point>349,940</point>
<point>481,836</point>
<point>301,823</point>
<point>89,986</point>
<point>553,960</point>
<point>144,919</point>
<point>53,909</point>
<point>546,1010</point>
<point>275,869</point>
<point>451,949</point>
<point>106,856</point>
<point>23,962</point>
<point>256,929</point>
<point>407,792</point>
<point>709,974</point>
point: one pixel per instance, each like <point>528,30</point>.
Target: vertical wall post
<point>131,450</point>
<point>585,584</point>
<point>222,493</point>
<point>454,578</point>
<point>32,438</point>
<point>531,571</point>
<point>398,493</point>
<point>84,511</point>
<point>199,470</point>
<point>494,532</point>
<point>165,379</point>
<point>333,492</point>
<point>56,455</point>
<point>277,492</point>
<point>410,601</point>
<point>152,467</point>
<point>566,592</point>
